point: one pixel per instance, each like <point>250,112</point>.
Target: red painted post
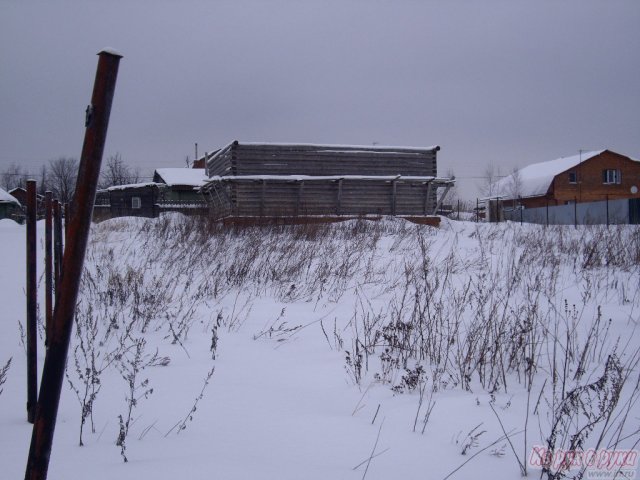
<point>72,263</point>
<point>48,267</point>
<point>32,299</point>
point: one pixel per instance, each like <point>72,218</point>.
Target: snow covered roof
<point>131,185</point>
<point>193,177</point>
<point>372,149</point>
<point>343,148</point>
<point>7,198</point>
<point>535,179</point>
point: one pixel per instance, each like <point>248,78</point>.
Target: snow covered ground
<point>358,350</point>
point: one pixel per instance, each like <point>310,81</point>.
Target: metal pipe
<point>48,273</point>
<point>72,263</point>
<point>32,302</point>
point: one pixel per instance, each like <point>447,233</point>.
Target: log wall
<point>296,197</point>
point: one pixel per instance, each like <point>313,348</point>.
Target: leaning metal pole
<point>53,372</point>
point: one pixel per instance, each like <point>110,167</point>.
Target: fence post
<point>477,210</point>
<point>32,299</point>
<point>48,277</point>
<point>575,212</point>
<point>547,213</point>
<point>96,124</point>
<point>520,206</point>
<point>393,197</point>
<point>607,197</point>
<point>458,209</point>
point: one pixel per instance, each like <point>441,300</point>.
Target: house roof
<point>372,149</point>
<point>343,148</point>
<point>130,186</point>
<point>5,197</point>
<point>536,178</point>
<point>193,177</point>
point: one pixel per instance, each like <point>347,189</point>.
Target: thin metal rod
<point>32,299</point>
<point>72,264</point>
<point>48,267</point>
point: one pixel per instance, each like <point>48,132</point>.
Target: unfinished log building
<point>294,180</point>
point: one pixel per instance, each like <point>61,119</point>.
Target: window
<point>611,176</point>
<point>573,177</point>
<point>136,202</point>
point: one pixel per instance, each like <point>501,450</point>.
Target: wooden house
<point>20,194</point>
<point>183,184</point>
<point>173,189</point>
<point>586,177</point>
<point>10,207</point>
<point>303,180</point>
<point>133,200</point>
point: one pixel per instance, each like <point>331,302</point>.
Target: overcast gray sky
<point>505,81</point>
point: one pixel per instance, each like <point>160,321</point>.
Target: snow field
<point>319,332</point>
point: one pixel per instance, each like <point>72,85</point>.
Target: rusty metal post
<point>57,246</point>
<point>32,299</point>
<point>72,263</point>
<point>48,274</point>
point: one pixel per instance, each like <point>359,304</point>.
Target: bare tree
<point>62,178</point>
<point>514,187</point>
<point>43,181</point>
<point>116,172</point>
<point>490,176</point>
<point>13,177</point>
